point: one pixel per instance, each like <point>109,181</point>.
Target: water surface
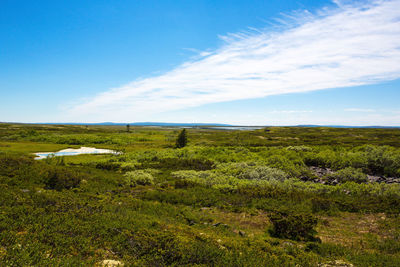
<point>74,152</point>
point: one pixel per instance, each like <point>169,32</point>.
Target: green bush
<point>382,159</point>
<point>290,163</point>
<point>138,177</point>
<point>251,171</point>
<point>60,178</point>
<point>263,173</point>
<point>293,226</point>
<point>348,175</point>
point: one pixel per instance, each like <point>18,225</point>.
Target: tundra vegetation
<point>282,196</point>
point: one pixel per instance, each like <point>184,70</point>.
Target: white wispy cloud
<point>352,44</point>
<point>359,110</point>
<point>290,111</point>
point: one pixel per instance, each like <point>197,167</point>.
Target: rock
<point>320,172</point>
<point>111,263</point>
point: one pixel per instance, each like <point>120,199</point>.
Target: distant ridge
<point>177,124</point>
<point>161,124</point>
<point>344,126</point>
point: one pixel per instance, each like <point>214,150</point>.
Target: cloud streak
<point>349,45</point>
<point>359,110</point>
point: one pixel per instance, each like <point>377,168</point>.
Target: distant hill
<point>177,124</point>
<point>160,124</point>
<point>344,126</point>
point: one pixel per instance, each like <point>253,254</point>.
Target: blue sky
<point>240,62</point>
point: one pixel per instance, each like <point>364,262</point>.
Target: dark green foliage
<point>319,204</point>
<point>107,165</point>
<point>181,141</point>
<point>185,183</point>
<point>293,226</point>
<point>25,170</point>
<point>60,178</point>
<point>11,164</point>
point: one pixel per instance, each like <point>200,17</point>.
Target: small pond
<point>74,152</point>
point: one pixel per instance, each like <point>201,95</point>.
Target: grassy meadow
<point>228,198</point>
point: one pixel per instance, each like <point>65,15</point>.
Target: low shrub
<point>348,175</point>
<point>179,164</point>
<point>60,178</point>
<point>185,183</point>
<point>138,177</point>
<point>263,173</point>
<point>299,148</point>
<point>11,164</point>
<point>251,171</point>
<point>110,166</point>
<point>293,226</point>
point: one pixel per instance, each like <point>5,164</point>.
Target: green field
<point>228,198</point>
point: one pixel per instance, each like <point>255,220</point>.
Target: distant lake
<point>74,152</point>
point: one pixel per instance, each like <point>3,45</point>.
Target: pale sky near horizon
<point>237,62</point>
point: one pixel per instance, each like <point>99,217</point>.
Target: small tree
<point>181,141</point>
